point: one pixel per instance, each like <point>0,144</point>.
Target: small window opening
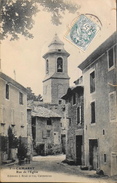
<point>105,158</point>
<point>20,98</point>
<point>74,98</point>
<point>60,101</point>
<point>103,132</point>
<point>93,112</point>
<point>111,58</point>
<point>92,82</point>
<point>49,122</point>
<point>59,64</point>
<point>7,91</point>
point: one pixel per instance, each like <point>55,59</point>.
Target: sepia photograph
<point>58,91</point>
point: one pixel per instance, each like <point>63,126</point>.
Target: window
<point>93,112</point>
<point>103,132</point>
<point>112,106</point>
<point>92,82</point>
<point>20,98</point>
<point>49,122</point>
<point>111,58</point>
<point>74,98</point>
<point>60,101</point>
<point>47,67</point>
<point>105,158</point>
<point>63,108</point>
<point>79,115</point>
<point>7,91</point>
<point>48,133</point>
<point>59,64</point>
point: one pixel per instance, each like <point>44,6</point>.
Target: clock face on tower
<point>59,64</point>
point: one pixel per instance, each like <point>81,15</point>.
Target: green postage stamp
<point>82,32</point>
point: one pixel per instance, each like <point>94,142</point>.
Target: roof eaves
<point>13,82</point>
<point>56,52</point>
<point>99,51</point>
<point>71,90</point>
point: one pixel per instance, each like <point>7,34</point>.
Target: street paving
<point>50,169</point>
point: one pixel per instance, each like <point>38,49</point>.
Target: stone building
<point>74,109</point>
<point>100,107</point>
<point>59,110</point>
<point>46,131</point>
<point>13,114</point>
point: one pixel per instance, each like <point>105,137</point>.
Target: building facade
<point>100,107</point>
<point>46,131</point>
<point>74,109</point>
<point>13,112</point>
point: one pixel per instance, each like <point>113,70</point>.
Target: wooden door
<point>93,153</point>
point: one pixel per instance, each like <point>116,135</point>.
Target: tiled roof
<point>70,91</point>
<point>44,113</point>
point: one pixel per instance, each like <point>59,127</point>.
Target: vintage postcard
<point>58,91</point>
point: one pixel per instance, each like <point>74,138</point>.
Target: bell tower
<point>56,81</point>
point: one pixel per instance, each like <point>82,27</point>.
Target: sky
<point>25,56</point>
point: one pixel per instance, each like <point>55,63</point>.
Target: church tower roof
<point>56,46</point>
<point>56,40</point>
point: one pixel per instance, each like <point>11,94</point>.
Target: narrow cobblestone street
<point>50,169</point>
